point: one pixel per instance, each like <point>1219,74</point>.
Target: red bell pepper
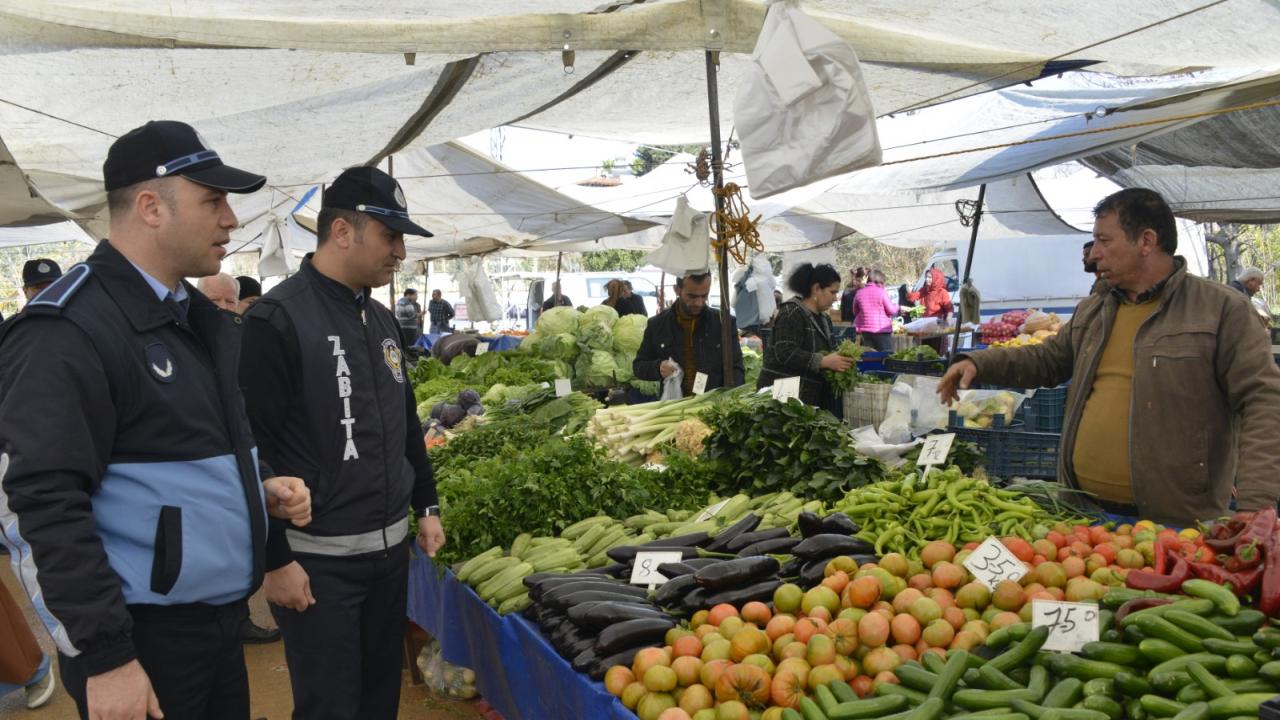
<point>1248,545</point>
<point>1143,580</point>
<point>1269,596</point>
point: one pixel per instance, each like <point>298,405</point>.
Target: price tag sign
<point>992,562</point>
<point>786,388</point>
<point>1071,624</point>
<point>711,511</point>
<point>645,570</point>
<point>699,383</point>
<point>935,450</point>
<point>563,387</point>
<point>482,348</point>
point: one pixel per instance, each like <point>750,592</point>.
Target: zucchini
<point>829,545</point>
<point>1245,622</point>
<point>630,633</point>
<point>469,567</point>
<point>1103,704</point>
<point>777,546</point>
<point>1066,693</point>
<point>576,530</point>
<point>489,568</point>
<point>1111,652</point>
<point>736,573</point>
<point>1241,667</point>
<point>1230,646</point>
<point>739,596</point>
<point>1199,626</point>
<point>868,708</point>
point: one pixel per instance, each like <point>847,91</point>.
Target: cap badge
<point>43,267</point>
<point>399,195</point>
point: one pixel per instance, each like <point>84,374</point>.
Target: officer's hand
<point>122,694</point>
<point>959,377</point>
<point>430,535</point>
<point>290,587</point>
<point>288,498</point>
<point>667,368</point>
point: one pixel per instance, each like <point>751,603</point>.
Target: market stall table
<point>517,671</point>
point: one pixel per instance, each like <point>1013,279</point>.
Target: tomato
<point>745,683</point>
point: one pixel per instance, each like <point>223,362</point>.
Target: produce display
<point>1020,327</point>
<point>842,381</point>
<point>631,433</point>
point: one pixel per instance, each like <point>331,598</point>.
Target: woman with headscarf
<point>802,345</point>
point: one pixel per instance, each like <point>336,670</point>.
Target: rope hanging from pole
<point>734,228</point>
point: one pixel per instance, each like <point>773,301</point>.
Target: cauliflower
<point>689,435</point>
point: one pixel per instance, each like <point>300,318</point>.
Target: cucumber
<point>1241,667</point>
<point>1103,704</point>
<point>1245,622</point>
<point>1008,635</point>
<point>1134,711</point>
<point>1229,646</point>
<point>1192,693</point>
<point>1195,606</point>
<point>868,708</point>
<point>810,710</point>
<point>950,675</point>
<point>1198,626</point>
<point>930,709</point>
<point>1261,657</point>
<point>843,692</point>
<point>826,699</point>
<point>933,662</point>
<point>1215,664</point>
<point>1158,627</point>
<point>1250,685</point>
<point>1116,597</point>
<point>1038,682</point>
<point>1073,714</point>
<point>1132,685</point>
<point>1194,711</point>
<point>1169,683</point>
<point>1267,637</point>
<point>914,697</point>
<point>1157,706</point>
<point>916,677</point>
<point>1222,597</point>
<point>991,715</point>
<point>789,714</point>
<point>1063,664</point>
<point>1157,651</point>
<point>1111,652</point>
<point>972,699</point>
<point>1270,671</point>
<point>1066,693</point>
<point>1244,704</point>
<point>1022,652</point>
<point>1100,686</point>
<point>992,679</point>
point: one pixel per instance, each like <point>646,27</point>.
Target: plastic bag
<point>803,111</point>
<point>979,408</point>
<point>443,678</point>
<point>477,291</point>
<point>673,386</point>
<point>869,442</point>
<point>896,428</point>
<point>928,412</point>
<point>686,248</point>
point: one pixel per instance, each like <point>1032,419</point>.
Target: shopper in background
<point>874,312</point>
<point>1175,396</point>
<point>222,290</point>
<point>687,336</point>
<point>802,342</point>
<point>857,280</point>
<point>440,312</point>
<point>250,291</point>
<point>632,303</point>
<point>409,315</point>
<point>38,275</point>
<point>616,295</point>
<point>557,298</point>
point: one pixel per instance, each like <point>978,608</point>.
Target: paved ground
<point>268,677</point>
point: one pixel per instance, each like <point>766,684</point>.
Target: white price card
<point>645,569</point>
<point>699,383</point>
<point>482,348</point>
<point>935,449</point>
<point>786,388</point>
<point>711,511</point>
<point>563,387</point>
<point>992,562</point>
<point>1072,625</point>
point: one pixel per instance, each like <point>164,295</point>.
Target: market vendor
<point>802,336</point>
<point>687,336</point>
<point>1175,396</point>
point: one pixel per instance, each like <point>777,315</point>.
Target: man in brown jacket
<point>1175,396</point>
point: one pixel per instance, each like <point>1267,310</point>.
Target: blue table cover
<point>517,670</point>
<point>496,342</point>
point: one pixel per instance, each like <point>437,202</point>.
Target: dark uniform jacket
<point>330,402</point>
<point>664,338</point>
<point>129,471</point>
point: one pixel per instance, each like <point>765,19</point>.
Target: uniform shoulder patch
<point>63,289</point>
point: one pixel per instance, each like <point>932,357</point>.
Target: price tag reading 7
<point>992,562</point>
<point>645,570</point>
<point>1071,625</point>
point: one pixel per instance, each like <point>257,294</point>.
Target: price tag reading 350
<point>1071,625</point>
<point>992,562</point>
<point>645,570</point>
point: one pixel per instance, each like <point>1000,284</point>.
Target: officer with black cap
<point>328,395</point>
<point>250,291</point>
<point>132,498</point>
<point>37,275</point>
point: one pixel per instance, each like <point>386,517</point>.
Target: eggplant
<point>746,539</point>
<point>791,568</point>
<point>614,570</point>
<point>721,541</point>
<point>864,558</point>
<point>672,571</point>
<point>828,545</point>
<point>552,626</point>
<point>595,615</point>
<point>839,524</point>
<point>736,573</point>
<point>617,588</point>
<point>812,573</point>
<point>627,553</point>
<point>584,660</point>
<point>694,600</point>
<point>737,597</point>
<point>810,524</point>
<point>564,602</point>
<point>700,562</point>
<point>671,591</point>
<point>530,613</point>
<point>584,645</point>
<point>624,657</point>
<point>548,582</point>
<point>629,633</point>
<point>778,546</point>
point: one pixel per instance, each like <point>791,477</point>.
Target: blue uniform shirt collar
<point>162,292</point>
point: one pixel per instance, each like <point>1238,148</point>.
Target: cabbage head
<point>558,320</point>
<point>559,347</point>
<point>530,343</point>
<point>623,362</point>
<point>602,314</point>
<point>595,369</point>
<point>628,332</point>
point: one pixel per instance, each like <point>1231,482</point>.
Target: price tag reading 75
<point>992,562</point>
<point>1071,625</point>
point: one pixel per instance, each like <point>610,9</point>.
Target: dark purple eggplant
<point>700,562</point>
<point>584,660</point>
<point>694,600</point>
<point>564,602</point>
<point>629,633</point>
<point>627,553</point>
<point>829,545</point>
<point>777,546</point>
<point>550,595</point>
<point>791,568</point>
<point>736,573</point>
<point>812,574</point>
<point>596,615</point>
<point>547,583</point>
<point>671,591</point>
<point>810,524</point>
<point>865,558</point>
<point>720,543</point>
<point>746,539</point>
<point>624,657</point>
<point>737,597</point>
<point>839,524</point>
<point>672,571</point>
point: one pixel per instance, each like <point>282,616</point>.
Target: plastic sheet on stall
<point>913,409</point>
<point>517,670</point>
<point>868,442</point>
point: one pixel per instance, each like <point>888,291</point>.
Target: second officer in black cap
<point>330,401</point>
<point>37,275</point>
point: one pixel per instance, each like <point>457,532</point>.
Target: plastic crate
<point>1043,411</point>
<point>914,367</point>
<point>872,360</point>
<point>1012,451</point>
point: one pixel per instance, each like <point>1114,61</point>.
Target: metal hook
<point>567,57</point>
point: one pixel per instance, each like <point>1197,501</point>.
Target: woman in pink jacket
<point>873,313</point>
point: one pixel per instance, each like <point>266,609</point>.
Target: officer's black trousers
<point>344,652</point>
<point>193,657</point>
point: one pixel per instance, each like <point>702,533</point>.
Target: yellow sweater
<point>1101,453</point>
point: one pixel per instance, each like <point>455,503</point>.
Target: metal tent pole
<point>556,295</point>
<point>968,265</point>
<point>717,169</point>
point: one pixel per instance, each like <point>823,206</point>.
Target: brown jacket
<point>1206,397</point>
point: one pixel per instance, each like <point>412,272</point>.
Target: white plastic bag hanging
<point>673,385</point>
<point>477,291</point>
<point>686,247</point>
<point>761,281</point>
<point>803,112</point>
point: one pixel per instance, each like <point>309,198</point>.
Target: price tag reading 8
<point>992,562</point>
<point>645,570</point>
<point>1071,625</point>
